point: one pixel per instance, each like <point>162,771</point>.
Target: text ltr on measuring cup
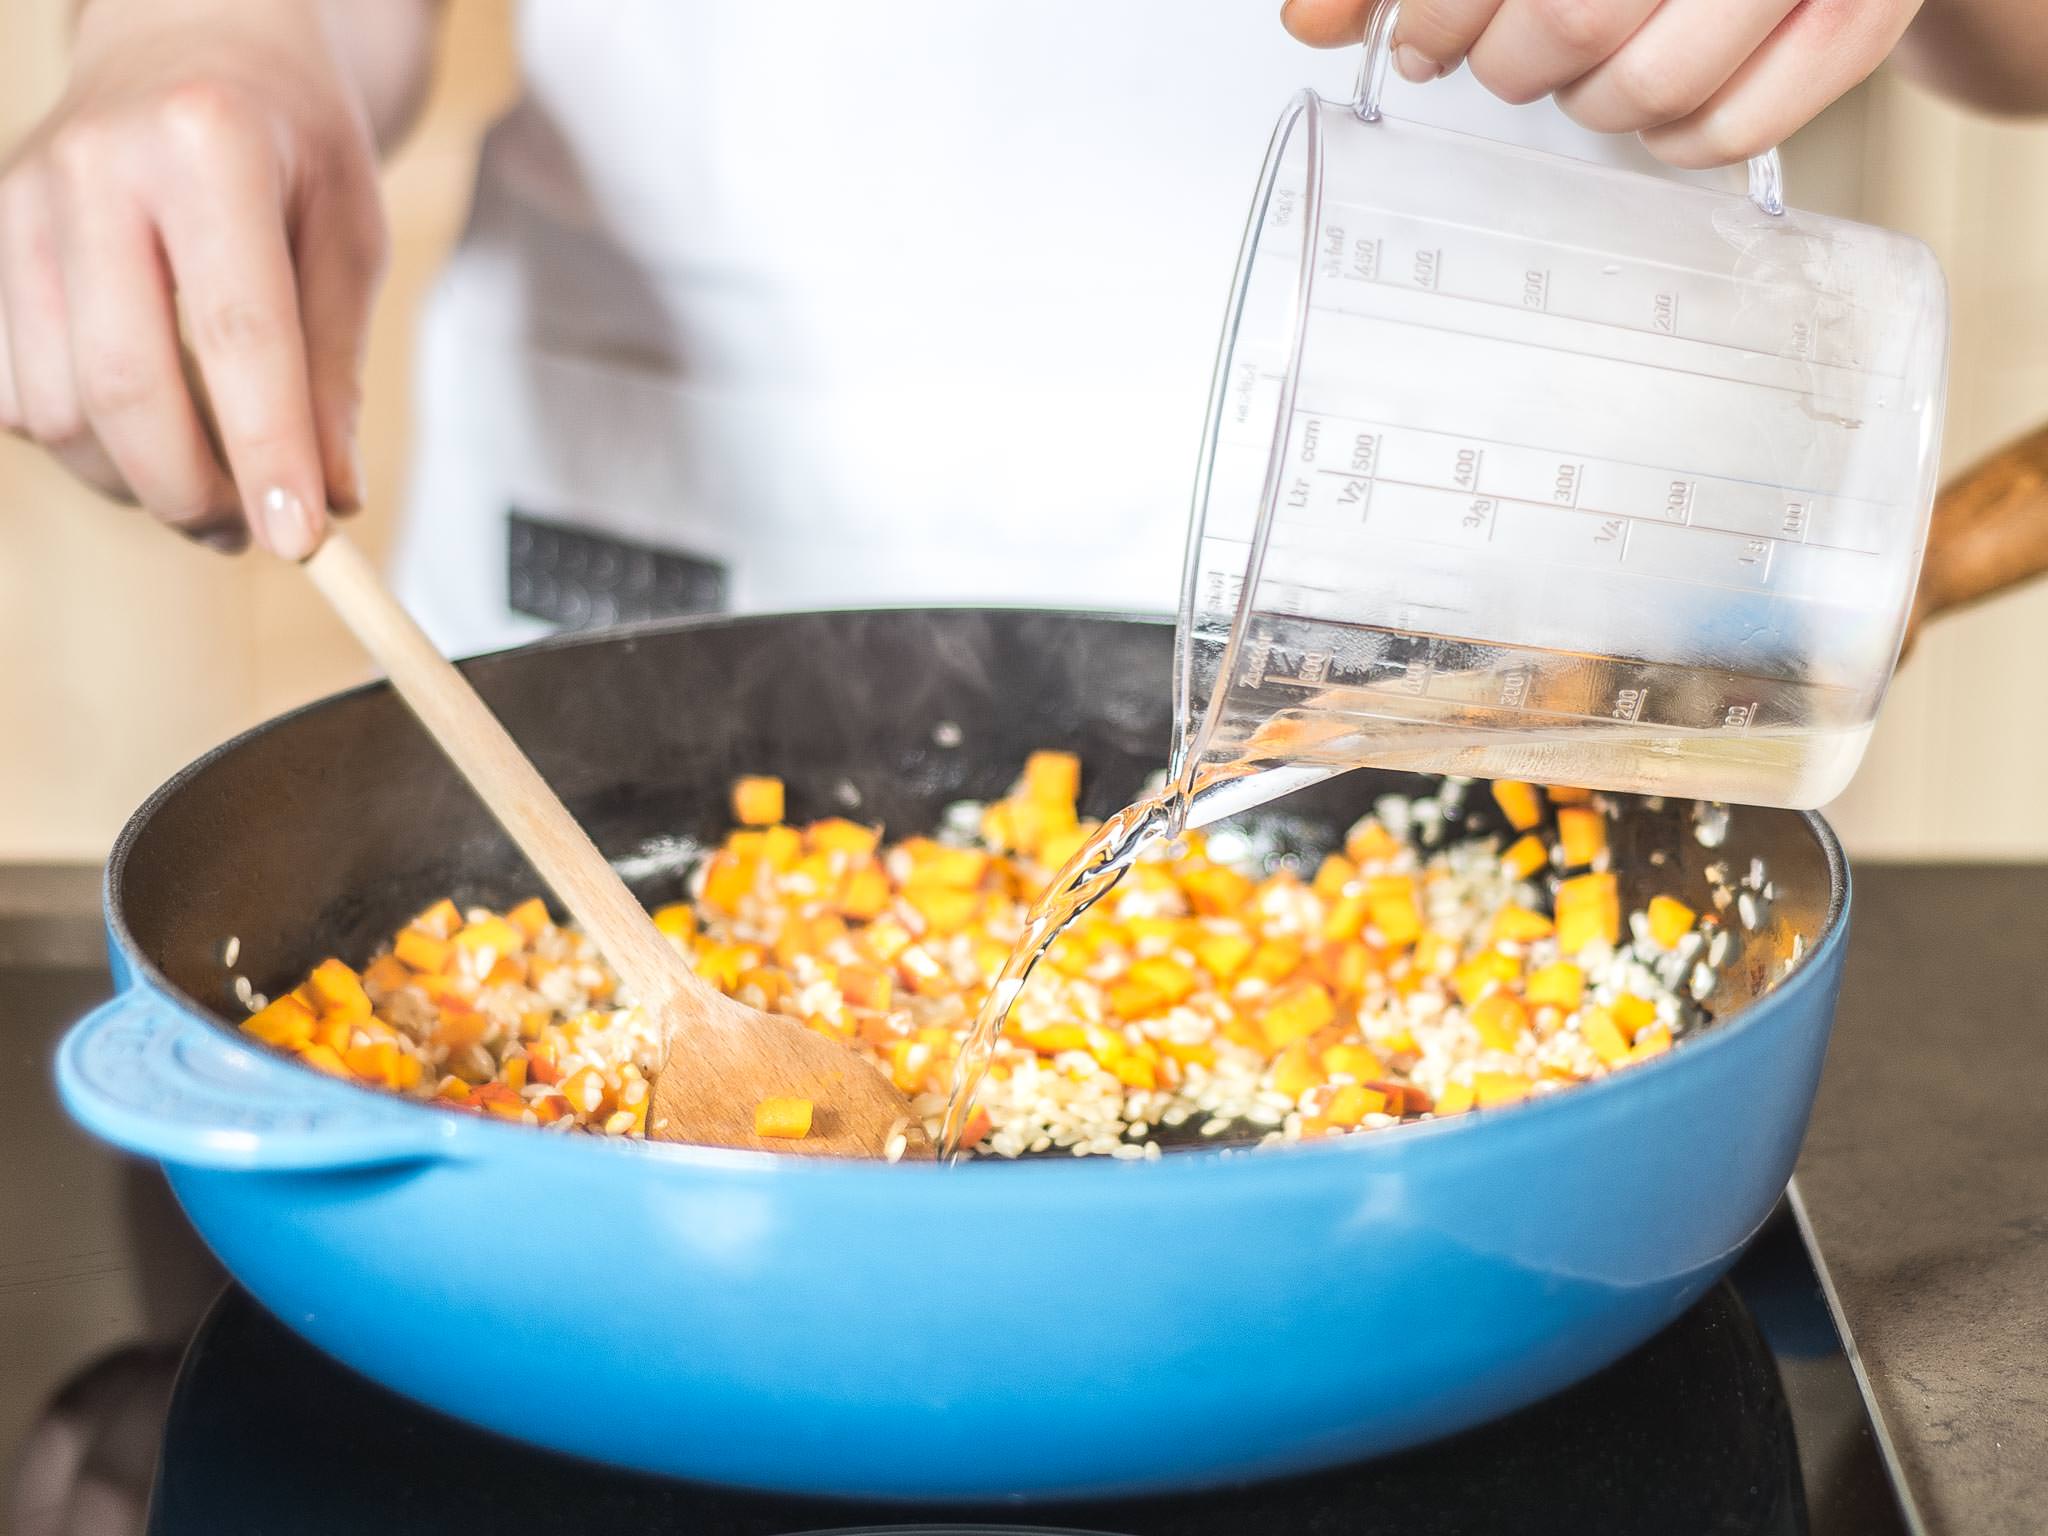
<point>1522,467</point>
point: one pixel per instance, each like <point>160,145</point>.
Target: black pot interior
<point>320,832</point>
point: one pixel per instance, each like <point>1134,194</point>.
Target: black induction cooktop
<point>1743,1417</point>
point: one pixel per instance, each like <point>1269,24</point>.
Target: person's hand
<point>211,163</point>
<point>1705,82</point>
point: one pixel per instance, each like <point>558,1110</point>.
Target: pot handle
<point>144,1074</point>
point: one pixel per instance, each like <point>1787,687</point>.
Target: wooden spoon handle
<point>510,785</point>
<point>1990,528</point>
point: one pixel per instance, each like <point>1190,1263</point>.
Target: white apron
<point>822,304</point>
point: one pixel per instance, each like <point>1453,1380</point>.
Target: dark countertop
<point>1924,1178</point>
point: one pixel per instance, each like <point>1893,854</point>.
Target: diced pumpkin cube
<point>885,939</point>
<point>1352,1103</point>
<point>1332,875</point>
<point>945,908</point>
<point>1223,954</point>
<point>1482,974</point>
<point>492,933</point>
<point>782,848</point>
<point>585,1090</point>
<point>376,1062</point>
<point>783,1119</point>
<point>324,1058</point>
<point>1500,1019</point>
<point>1169,978</point>
<point>866,986</point>
<point>1454,1100</point>
<point>1275,959</point>
<point>1492,1088</point>
<point>530,917</point>
<point>1344,967</point>
<point>1525,856</point>
<point>339,991</point>
<point>1566,794</point>
<point>422,951</point>
<point>757,801</point>
<point>1347,917</point>
<point>1057,849</point>
<point>1188,1052</point>
<point>1633,1014</point>
<point>439,921</point>
<point>865,893</point>
<point>1519,925</point>
<point>1135,1072</point>
<point>1052,777</point>
<point>1598,1029</point>
<point>927,978</point>
<point>1588,912</point>
<point>1356,1061</point>
<point>1518,802</point>
<point>285,1022</point>
<point>959,867</point>
<point>1295,1013</point>
<point>1368,842</point>
<point>678,919</point>
<point>1559,985</point>
<point>1435,954</point>
<point>1215,891</point>
<point>1582,834</point>
<point>1130,998</point>
<point>386,973</point>
<point>723,964</point>
<point>1396,911</point>
<point>1653,1041</point>
<point>728,880</point>
<point>1670,920</point>
<point>835,834</point>
<point>458,1026</point>
<point>1295,1071</point>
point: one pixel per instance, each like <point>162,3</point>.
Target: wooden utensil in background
<point>722,1057</point>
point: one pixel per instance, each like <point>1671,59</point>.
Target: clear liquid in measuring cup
<point>1310,692</point>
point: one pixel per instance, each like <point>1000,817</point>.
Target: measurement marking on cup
<point>1662,316</point>
<point>1369,448</point>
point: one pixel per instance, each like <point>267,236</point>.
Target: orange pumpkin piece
<point>1053,777</point>
<point>757,801</point>
<point>1518,802</point>
<point>286,1023</point>
<point>1525,856</point>
<point>1500,1019</point>
<point>783,1119</point>
<point>1670,920</point>
<point>530,917</point>
<point>1582,834</point>
<point>1588,912</point>
<point>422,951</point>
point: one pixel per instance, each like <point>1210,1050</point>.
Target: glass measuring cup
<point>1522,467</point>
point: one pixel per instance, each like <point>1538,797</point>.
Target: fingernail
<point>287,526</point>
<point>1414,65</point>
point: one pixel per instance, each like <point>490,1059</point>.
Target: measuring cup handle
<point>1766,174</point>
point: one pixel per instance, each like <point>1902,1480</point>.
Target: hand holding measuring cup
<point>1705,82</point>
<point>1522,467</point>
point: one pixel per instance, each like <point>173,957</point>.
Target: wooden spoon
<point>721,1058</point>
